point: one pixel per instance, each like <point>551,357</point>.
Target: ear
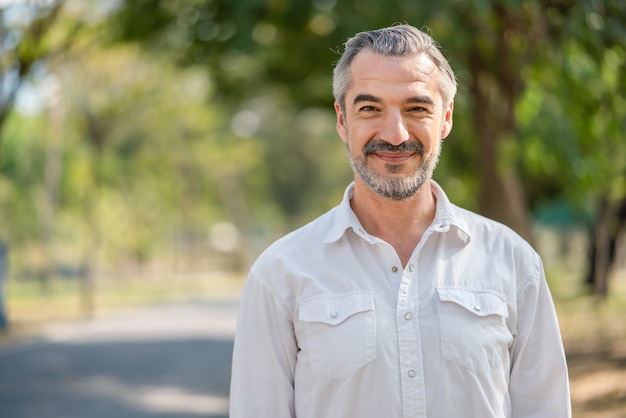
<point>342,129</point>
<point>446,125</point>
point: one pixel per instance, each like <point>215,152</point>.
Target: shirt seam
<point>532,273</point>
<point>280,305</point>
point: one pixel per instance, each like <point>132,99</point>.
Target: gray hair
<point>399,40</point>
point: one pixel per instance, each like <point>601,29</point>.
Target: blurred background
<point>150,149</point>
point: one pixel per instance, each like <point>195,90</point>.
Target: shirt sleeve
<point>539,383</point>
<point>264,356</point>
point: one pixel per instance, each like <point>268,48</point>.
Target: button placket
<point>409,336</point>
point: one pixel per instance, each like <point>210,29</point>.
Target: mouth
<point>394,153</point>
<point>393,157</point>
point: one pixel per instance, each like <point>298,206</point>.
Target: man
<point>396,303</point>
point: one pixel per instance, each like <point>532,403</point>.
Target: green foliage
<point>170,116</point>
<point>141,161</point>
<point>20,183</point>
<point>574,115</point>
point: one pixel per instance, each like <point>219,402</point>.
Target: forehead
<point>375,73</point>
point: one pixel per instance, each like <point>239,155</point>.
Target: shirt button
<point>394,269</point>
<point>408,316</point>
<point>412,373</point>
<point>477,308</point>
<point>334,315</point>
<point>411,267</point>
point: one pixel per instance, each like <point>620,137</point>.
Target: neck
<point>400,223</point>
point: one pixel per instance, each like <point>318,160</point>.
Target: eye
<point>418,109</point>
<point>368,109</point>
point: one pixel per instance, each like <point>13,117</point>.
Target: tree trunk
<point>501,194</point>
<point>601,244</point>
<point>608,224</point>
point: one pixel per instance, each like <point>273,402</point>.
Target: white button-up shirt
<point>332,326</point>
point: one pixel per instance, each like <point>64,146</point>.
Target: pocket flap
<point>481,302</point>
<point>334,309</point>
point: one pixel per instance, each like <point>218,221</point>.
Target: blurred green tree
<point>498,48</point>
<point>245,124</point>
<point>28,34</point>
<point>122,159</point>
<point>574,126</point>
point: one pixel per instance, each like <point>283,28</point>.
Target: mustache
<point>408,146</point>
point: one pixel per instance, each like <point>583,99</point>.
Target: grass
<point>594,335</point>
<point>30,304</point>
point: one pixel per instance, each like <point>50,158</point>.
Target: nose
<point>393,129</point>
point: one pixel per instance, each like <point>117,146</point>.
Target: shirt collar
<point>447,216</point>
<point>345,217</point>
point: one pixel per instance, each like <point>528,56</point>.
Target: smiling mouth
<point>385,150</point>
<point>394,157</point>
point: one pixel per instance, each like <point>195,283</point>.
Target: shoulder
<point>289,263</point>
<point>483,233</point>
<point>491,232</point>
<point>499,243</point>
<point>298,243</point>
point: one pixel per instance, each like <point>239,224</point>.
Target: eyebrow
<point>421,99</point>
<point>370,98</point>
<point>365,98</point>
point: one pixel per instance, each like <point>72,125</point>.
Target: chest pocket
<point>473,328</point>
<point>340,332</point>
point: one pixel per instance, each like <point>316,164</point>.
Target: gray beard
<point>395,188</point>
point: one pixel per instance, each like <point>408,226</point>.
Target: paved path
<point>166,361</point>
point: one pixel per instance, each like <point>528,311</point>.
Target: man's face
<point>393,122</point>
